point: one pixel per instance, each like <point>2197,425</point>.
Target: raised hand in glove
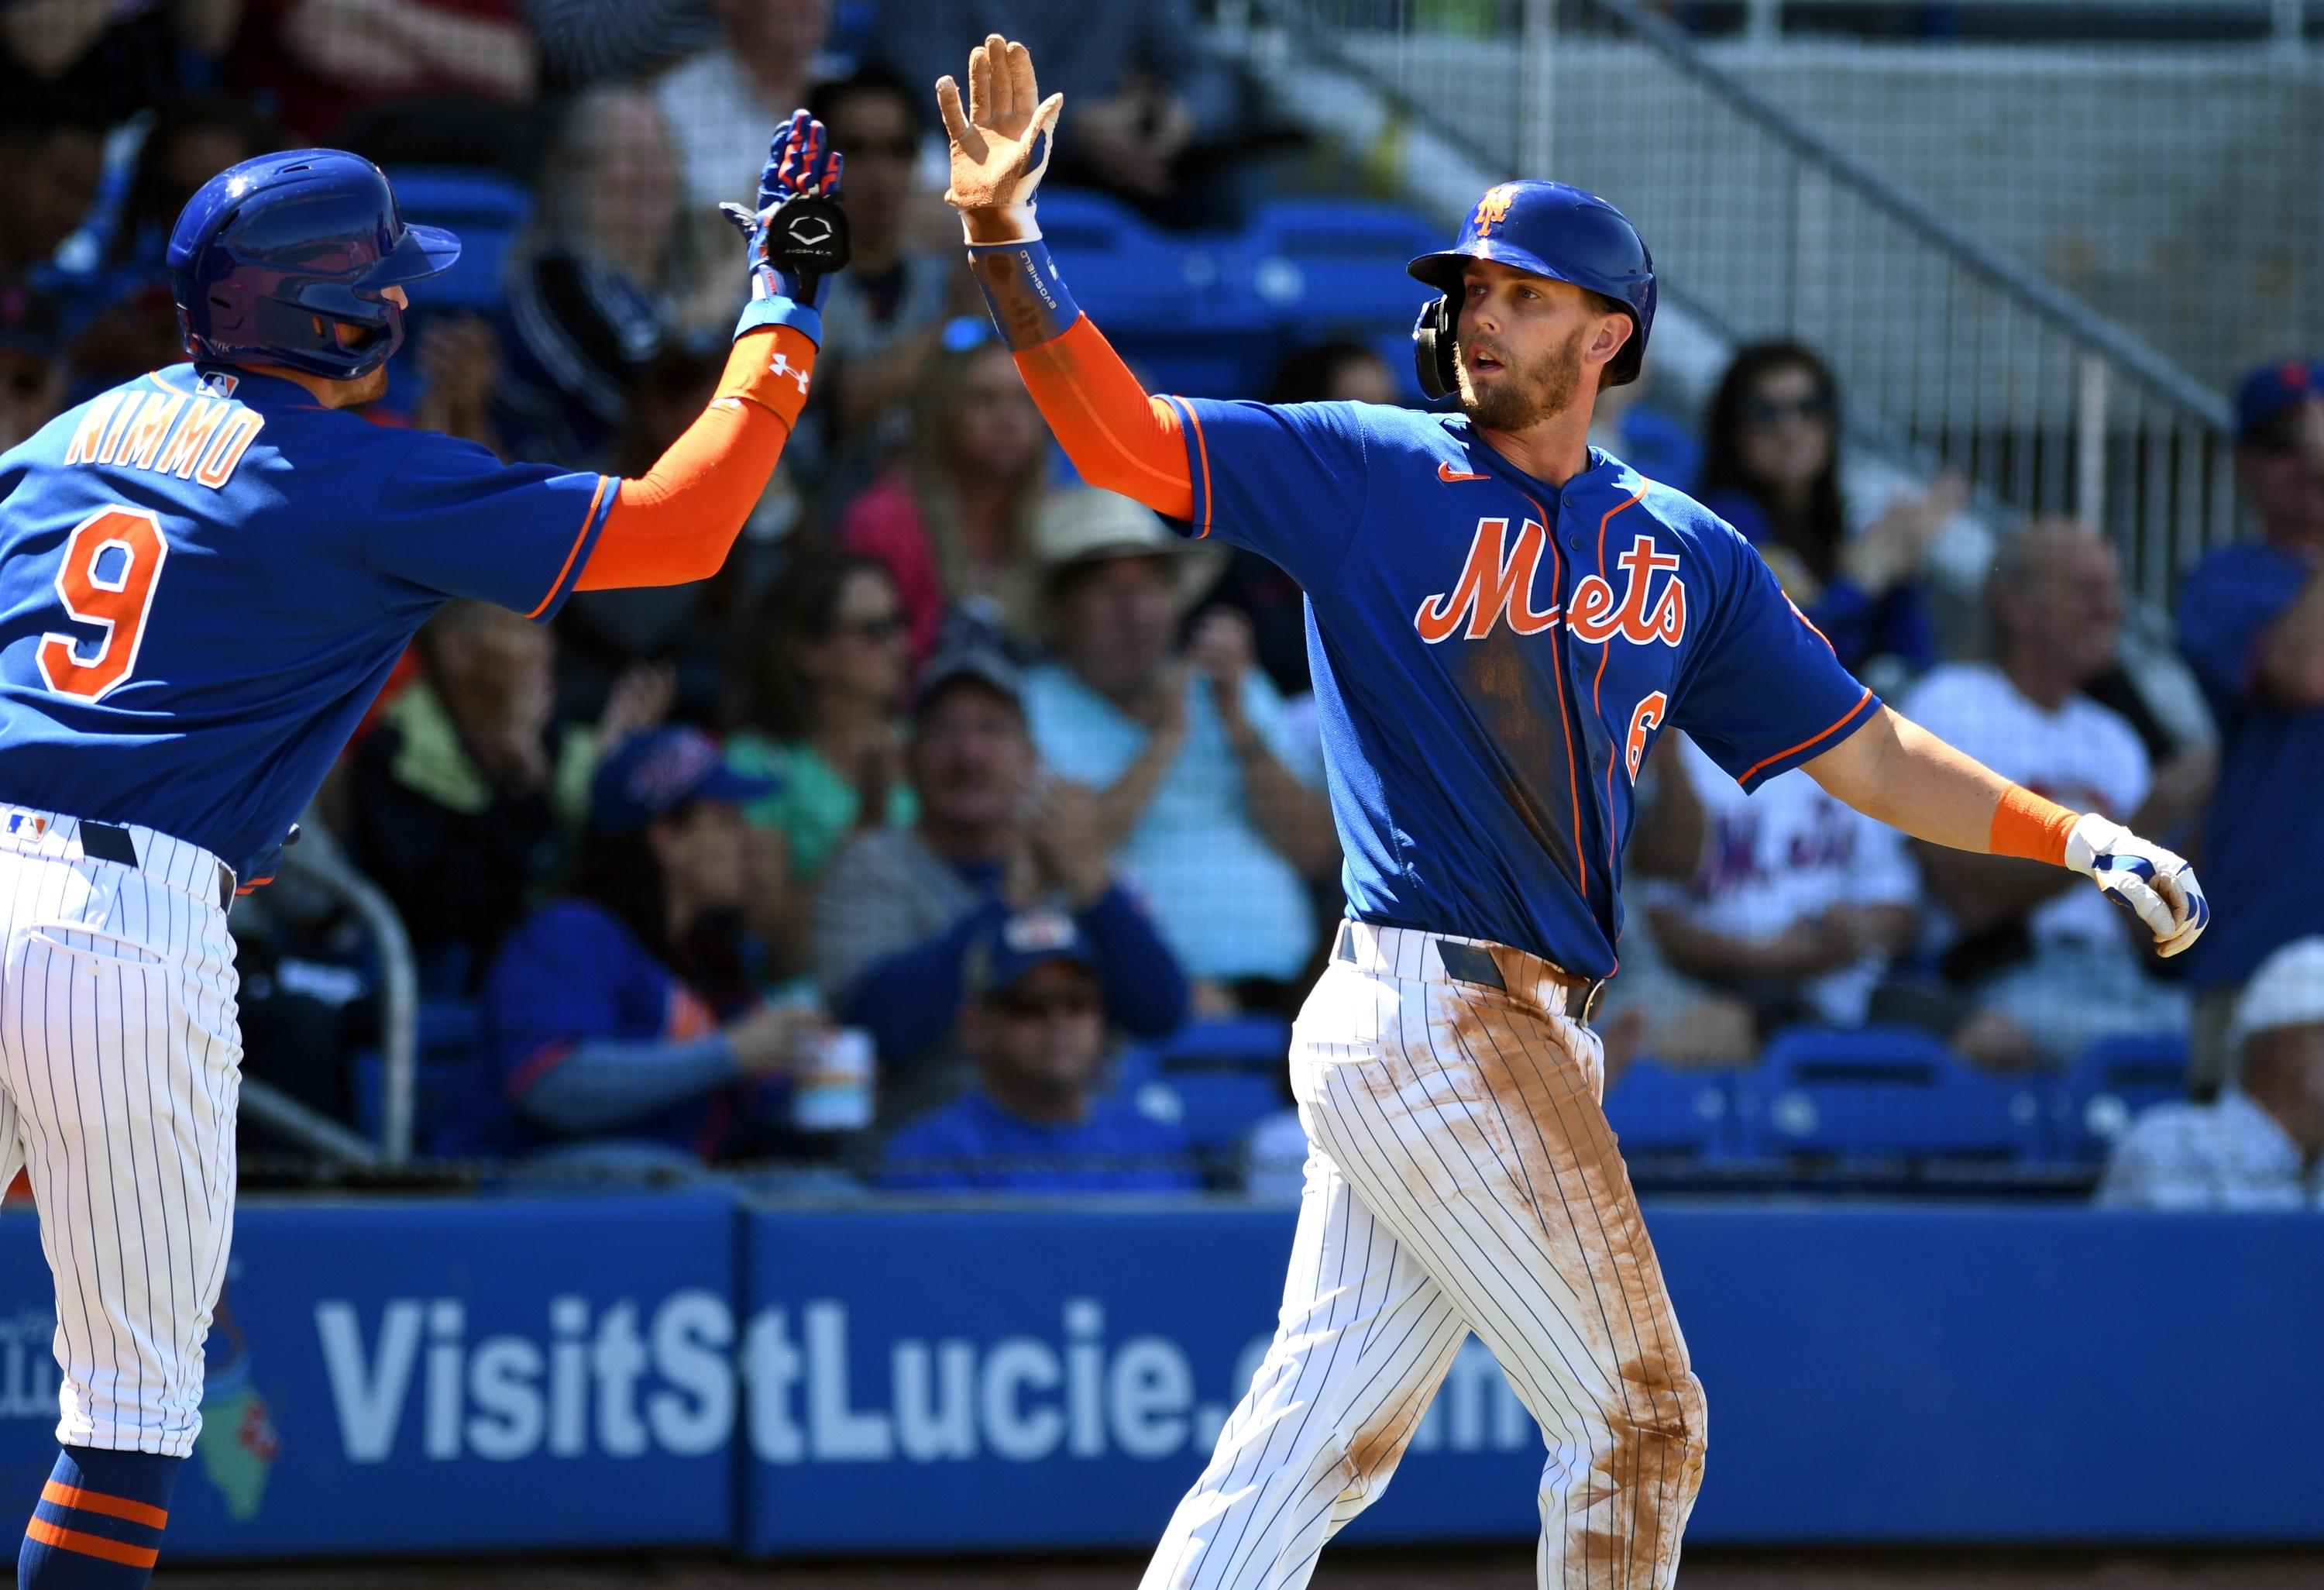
<point>1000,145</point>
<point>2154,886</point>
<point>797,237</point>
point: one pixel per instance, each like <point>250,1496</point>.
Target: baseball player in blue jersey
<point>1502,620</point>
<point>205,576</point>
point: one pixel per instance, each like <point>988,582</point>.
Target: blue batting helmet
<point>271,258</point>
<point>1550,230</point>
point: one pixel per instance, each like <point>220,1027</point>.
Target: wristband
<point>1021,287</point>
<point>2027,825</point>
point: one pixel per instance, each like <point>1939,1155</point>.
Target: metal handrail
<point>318,861</point>
<point>2166,379</point>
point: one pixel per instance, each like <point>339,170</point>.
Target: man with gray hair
<point>2257,1145</point>
<point>2048,968</point>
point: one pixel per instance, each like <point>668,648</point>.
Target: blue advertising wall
<point>418,1376</point>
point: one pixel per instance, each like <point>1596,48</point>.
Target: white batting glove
<point>2154,886</point>
<point>1000,143</point>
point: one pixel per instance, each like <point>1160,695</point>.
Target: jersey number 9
<point>112,567</point>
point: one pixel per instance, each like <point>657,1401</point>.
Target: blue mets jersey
<point>204,576</point>
<point>1494,657</point>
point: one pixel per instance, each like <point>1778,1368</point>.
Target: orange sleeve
<point>2027,825</point>
<point>675,524</point>
<point>1118,438</point>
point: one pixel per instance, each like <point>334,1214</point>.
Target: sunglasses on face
<point>1763,411</point>
<point>871,632</point>
<point>1035,1007</point>
<point>2280,435</point>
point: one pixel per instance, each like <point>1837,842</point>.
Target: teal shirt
<point>816,807</point>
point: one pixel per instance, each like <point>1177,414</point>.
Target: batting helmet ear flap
<point>1436,358</point>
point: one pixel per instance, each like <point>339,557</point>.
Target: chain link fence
<point>1902,208</point>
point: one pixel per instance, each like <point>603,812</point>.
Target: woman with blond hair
<point>951,521</point>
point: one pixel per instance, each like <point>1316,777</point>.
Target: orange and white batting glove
<point>1000,145</point>
<point>2154,886</point>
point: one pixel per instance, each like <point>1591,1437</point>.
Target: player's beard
<point>1523,399</point>
<point>366,389</point>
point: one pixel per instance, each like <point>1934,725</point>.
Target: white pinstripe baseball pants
<point>120,1064</point>
<point>1460,1177</point>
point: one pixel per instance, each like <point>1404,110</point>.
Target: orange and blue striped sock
<point>98,1523</point>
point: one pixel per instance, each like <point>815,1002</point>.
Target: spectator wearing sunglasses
<point>885,314</point>
<point>815,695</point>
<point>2251,622</point>
<point>1771,468</point>
<point>1034,1024</point>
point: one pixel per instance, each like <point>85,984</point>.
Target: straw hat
<point>1082,524</point>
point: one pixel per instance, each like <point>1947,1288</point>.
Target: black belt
<point>105,842</point>
<point>1469,962</point>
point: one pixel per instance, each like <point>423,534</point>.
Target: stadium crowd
<point>990,766</point>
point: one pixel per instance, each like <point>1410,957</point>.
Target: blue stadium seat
<point>1659,1112</point>
<point>488,210</point>
<point>1336,261</point>
<point>1214,1078</point>
<point>1884,1092</point>
<point>2108,1084</point>
<point>449,1033</point>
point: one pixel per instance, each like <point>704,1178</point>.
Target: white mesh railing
<point>1764,228</point>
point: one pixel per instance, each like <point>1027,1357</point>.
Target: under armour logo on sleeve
<point>782,366</point>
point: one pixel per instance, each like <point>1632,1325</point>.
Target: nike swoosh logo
<point>1452,477</point>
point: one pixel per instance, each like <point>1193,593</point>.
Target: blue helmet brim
<point>422,251</point>
<point>1443,271</point>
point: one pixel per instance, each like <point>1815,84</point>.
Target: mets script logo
<point>1496,585</point>
<point>1493,208</point>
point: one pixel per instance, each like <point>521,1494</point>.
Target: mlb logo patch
<point>29,824</point>
<point>217,383</point>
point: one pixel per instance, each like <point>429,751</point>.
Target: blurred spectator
<point>1034,1023</point>
<point>1649,1006</point>
<point>463,797</point>
<point>629,1011</point>
<point>584,40</point>
<point>1339,371</point>
<point>2258,1145</point>
<point>324,61</point>
<point>721,102</point>
<point>899,908</point>
<point>1635,431</point>
<point>884,317</point>
<point>1798,902</point>
<point>51,155</point>
<point>31,374</point>
<point>1188,751</point>
<point>120,320</point>
<point>604,633</point>
<point>2251,621</point>
<point>457,358</point>
<point>592,303</point>
<point>953,520</point>
<point>1771,468</point>
<point>2036,944</point>
<point>1149,115</point>
<point>117,57</point>
<point>814,701</point>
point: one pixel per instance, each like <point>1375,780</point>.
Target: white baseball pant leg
<point>1462,1177</point>
<point>120,1061</point>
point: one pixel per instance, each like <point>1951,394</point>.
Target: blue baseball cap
<point>651,774</point>
<point>1021,943</point>
<point>2273,388</point>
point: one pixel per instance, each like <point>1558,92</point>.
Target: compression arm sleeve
<point>675,524</point>
<point>602,1083</point>
<point>1118,438</point>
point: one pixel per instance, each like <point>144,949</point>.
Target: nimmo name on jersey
<point>194,437</point>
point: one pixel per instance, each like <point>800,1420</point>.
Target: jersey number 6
<point>112,567</point>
